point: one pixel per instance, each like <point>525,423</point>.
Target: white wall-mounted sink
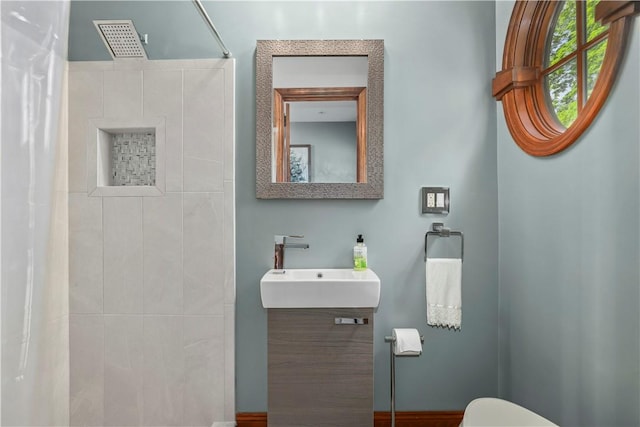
<point>320,288</point>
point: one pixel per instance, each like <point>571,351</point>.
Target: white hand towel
<point>444,292</point>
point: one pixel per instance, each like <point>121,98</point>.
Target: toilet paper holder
<point>392,357</point>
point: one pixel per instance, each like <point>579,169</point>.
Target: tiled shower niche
<point>129,159</point>
<point>133,158</point>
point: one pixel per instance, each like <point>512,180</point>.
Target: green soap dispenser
<point>360,254</point>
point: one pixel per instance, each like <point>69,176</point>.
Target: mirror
<point>319,119</point>
<point>331,121</point>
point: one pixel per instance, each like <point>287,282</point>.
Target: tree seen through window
<point>575,52</point>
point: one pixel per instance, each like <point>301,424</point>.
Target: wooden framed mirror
<point>328,97</point>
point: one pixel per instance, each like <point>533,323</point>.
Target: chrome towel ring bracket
<point>438,229</point>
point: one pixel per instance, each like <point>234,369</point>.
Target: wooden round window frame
<point>521,87</point>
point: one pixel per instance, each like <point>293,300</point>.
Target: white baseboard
<point>224,424</point>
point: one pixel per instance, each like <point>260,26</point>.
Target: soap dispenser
<point>360,254</point>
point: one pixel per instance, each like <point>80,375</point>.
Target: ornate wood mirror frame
<point>370,176</point>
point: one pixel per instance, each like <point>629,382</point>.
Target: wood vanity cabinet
<point>320,373</point>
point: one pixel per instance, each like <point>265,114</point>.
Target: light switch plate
<point>435,200</point>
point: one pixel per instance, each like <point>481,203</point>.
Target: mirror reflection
<point>329,129</point>
<point>319,119</point>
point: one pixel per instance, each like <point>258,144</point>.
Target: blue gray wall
<point>439,130</point>
<point>333,149</point>
<point>569,251</point>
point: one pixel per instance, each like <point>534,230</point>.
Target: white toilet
<point>488,411</point>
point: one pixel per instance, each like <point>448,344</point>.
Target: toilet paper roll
<point>406,342</point>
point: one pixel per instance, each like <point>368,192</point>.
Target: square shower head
<point>121,38</point>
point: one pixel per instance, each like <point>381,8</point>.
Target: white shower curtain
<point>33,213</point>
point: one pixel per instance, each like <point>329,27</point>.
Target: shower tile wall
<point>152,286</point>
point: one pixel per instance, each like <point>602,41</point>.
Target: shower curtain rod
<point>205,16</point>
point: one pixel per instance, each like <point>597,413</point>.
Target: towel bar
<point>438,229</point>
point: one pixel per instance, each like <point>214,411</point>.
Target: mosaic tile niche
<point>126,158</point>
<point>133,159</point>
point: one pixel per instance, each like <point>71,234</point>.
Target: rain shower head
<point>121,38</point>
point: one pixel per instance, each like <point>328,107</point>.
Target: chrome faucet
<point>280,244</point>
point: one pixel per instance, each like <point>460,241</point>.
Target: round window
<point>559,64</point>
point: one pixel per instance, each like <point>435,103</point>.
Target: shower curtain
<point>33,214</point>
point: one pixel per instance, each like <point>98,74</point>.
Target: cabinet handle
<point>351,321</point>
